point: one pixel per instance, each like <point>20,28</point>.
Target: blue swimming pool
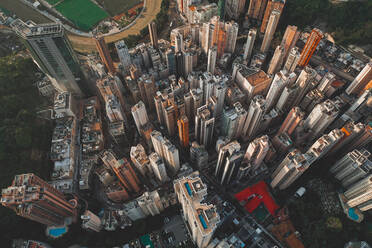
<point>57,232</point>
<point>352,214</point>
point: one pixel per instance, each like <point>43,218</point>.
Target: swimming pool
<point>57,232</point>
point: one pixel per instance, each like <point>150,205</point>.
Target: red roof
<point>259,193</point>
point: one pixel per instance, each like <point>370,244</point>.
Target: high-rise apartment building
<point>153,34</point>
<point>304,84</point>
<point>359,195</point>
<point>51,51</point>
<point>141,161</point>
<point>183,130</point>
<point>310,47</point>
<point>91,221</point>
<point>291,168</point>
<point>251,81</point>
<point>233,121</point>
<point>150,203</point>
<point>294,118</point>
<point>363,78</point>
<point>201,218</point>
<point>290,39</point>
<point>292,60</point>
<point>198,155</point>
<point>140,115</point>
<point>319,119</point>
<point>204,126</point>
<point>271,5</point>
<point>212,57</point>
<point>33,198</point>
<point>352,167</point>
<point>256,152</point>
<point>123,170</point>
<point>158,167</point>
<point>280,80</point>
<point>255,113</point>
<point>166,150</point>
<point>123,54</point>
<point>229,159</point>
<point>251,37</point>
<point>234,8</point>
<point>256,9</point>
<point>326,81</point>
<point>270,30</point>
<point>276,61</point>
<point>104,53</point>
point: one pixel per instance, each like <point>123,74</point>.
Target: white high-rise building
<point>91,221</point>
<point>270,30</point>
<point>204,126</point>
<point>326,81</point>
<point>201,218</point>
<point>249,45</point>
<point>255,113</point>
<point>256,151</point>
<point>319,119</point>
<point>150,203</point>
<point>360,194</point>
<point>291,168</point>
<point>171,156</point>
<point>212,57</point>
<point>292,60</point>
<point>276,61</point>
<point>304,84</point>
<point>229,159</point>
<point>140,115</point>
<point>52,53</point>
<point>123,54</point>
<point>363,78</point>
<point>158,167</point>
<point>352,167</point>
<point>281,80</point>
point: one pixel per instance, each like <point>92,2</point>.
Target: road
<point>86,44</point>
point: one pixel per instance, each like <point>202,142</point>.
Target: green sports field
<point>83,13</point>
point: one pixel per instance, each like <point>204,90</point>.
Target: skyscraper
<point>33,198</point>
<point>212,57</point>
<point>234,8</point>
<point>361,80</point>
<point>183,130</point>
<point>292,60</point>
<point>153,34</point>
<point>104,53</point>
<point>291,168</point>
<point>124,56</point>
<point>310,46</point>
<point>280,80</point>
<point>352,167</point>
<point>140,115</point>
<point>141,161</point>
<point>276,61</point>
<point>198,155</point>
<point>204,126</point>
<point>201,218</point>
<point>270,30</point>
<point>91,221</point>
<point>294,118</point>
<point>123,170</point>
<point>255,113</point>
<point>249,44</point>
<point>171,61</point>
<point>360,194</point>
<point>319,119</point>
<point>256,151</point>
<point>256,9</point>
<point>304,84</point>
<point>326,81</point>
<point>228,163</point>
<point>53,54</point>
<point>289,40</point>
<point>271,5</point>
<point>158,167</point>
